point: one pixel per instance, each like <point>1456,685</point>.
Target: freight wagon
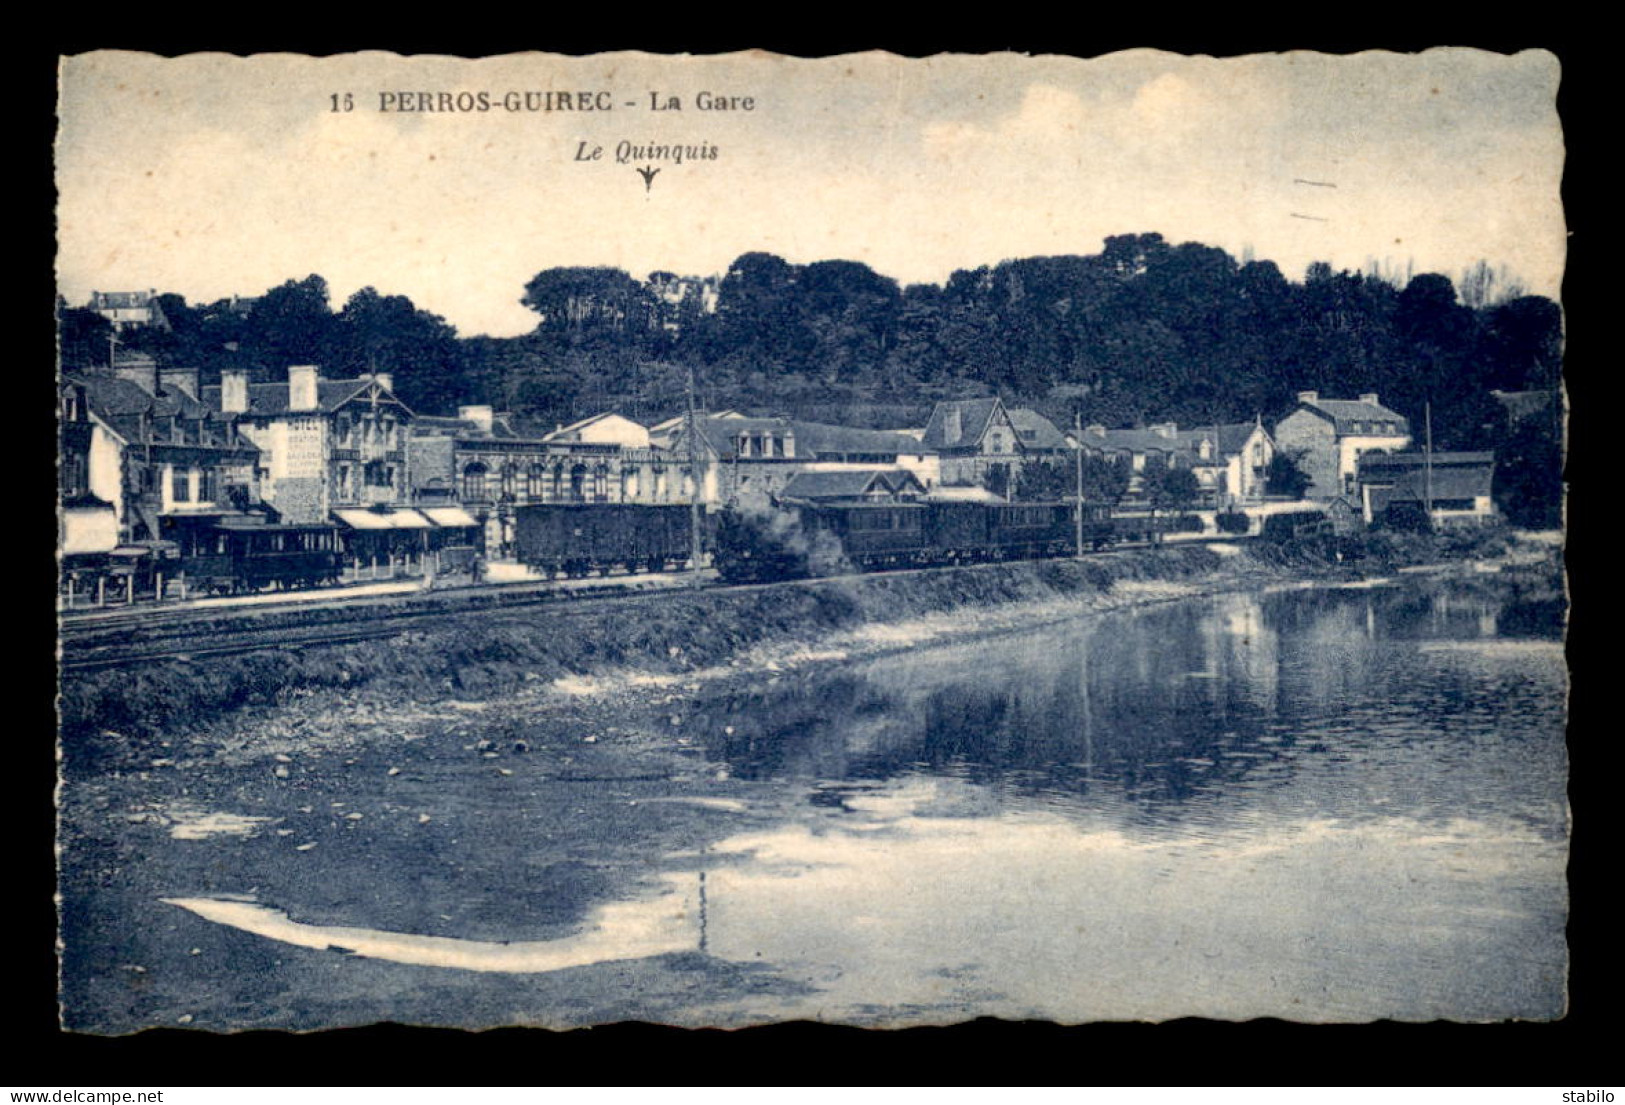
<point>578,539</point>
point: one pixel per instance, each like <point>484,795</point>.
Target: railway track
<point>149,636</point>
<point>194,634</point>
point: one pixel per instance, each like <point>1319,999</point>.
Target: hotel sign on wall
<point>305,448</point>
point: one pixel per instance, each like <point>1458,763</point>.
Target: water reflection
<point>915,910</point>
<point>1193,710</point>
<point>1326,805</point>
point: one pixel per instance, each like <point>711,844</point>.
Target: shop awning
<point>163,550</point>
<point>449,517</point>
<point>380,520</point>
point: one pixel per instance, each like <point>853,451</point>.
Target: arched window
<point>474,482</point>
<point>535,479</point>
<point>600,483</point>
<point>556,492</point>
<point>578,483</point>
<point>510,480</point>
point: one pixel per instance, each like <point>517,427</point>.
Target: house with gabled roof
<point>854,485</point>
<point>1231,460</point>
<point>1038,437</point>
<point>1327,438</point>
<point>745,457</point>
<point>970,437</point>
<point>151,451</point>
<point>324,444</point>
<point>129,308</point>
<point>608,428</point>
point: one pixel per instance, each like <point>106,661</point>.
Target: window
<point>474,482</point>
<point>75,475</point>
<point>180,485</point>
<point>510,480</point>
<point>209,485</point>
<point>535,479</point>
<point>578,483</point>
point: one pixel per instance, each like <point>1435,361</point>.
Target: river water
<point>1326,804</point>
<point>1323,804</point>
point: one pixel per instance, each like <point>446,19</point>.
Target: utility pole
<point>1427,492</point>
<point>1077,442</point>
<point>696,546</point>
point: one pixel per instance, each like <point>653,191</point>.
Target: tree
<point>1286,477</point>
<point>591,304</point>
<point>291,324</point>
<point>379,333</point>
<point>82,337</point>
<point>1174,489</point>
<point>1169,489</point>
<point>1529,476</point>
<point>1104,481</point>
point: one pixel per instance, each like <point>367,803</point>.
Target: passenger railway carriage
<point>225,559</point>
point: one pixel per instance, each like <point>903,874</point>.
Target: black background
<point>1575,1052</point>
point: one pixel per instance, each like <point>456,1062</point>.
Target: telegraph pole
<point>1077,442</point>
<point>1427,492</point>
<point>696,546</point>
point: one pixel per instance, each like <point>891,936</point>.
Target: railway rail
<point>135,637</point>
<point>144,636</point>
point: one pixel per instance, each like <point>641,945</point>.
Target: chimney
<point>1370,397</point>
<point>1308,396</point>
<point>233,390</point>
<point>386,380</point>
<point>142,371</point>
<point>302,387</point>
<point>480,416</point>
<point>179,379</point>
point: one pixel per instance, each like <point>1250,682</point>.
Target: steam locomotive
<point>807,539</point>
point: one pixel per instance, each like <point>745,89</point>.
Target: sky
<point>211,175</point>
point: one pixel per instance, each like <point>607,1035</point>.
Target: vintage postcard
<point>714,541</point>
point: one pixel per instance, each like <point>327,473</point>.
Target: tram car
<point>224,559</point>
<point>579,539</point>
<point>807,539</point>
